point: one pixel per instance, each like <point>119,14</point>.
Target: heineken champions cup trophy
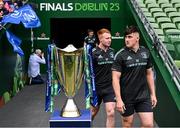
<point>69,69</point>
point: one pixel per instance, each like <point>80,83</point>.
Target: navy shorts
<point>105,97</point>
<point>141,106</point>
<point>109,97</point>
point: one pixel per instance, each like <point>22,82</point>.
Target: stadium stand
<point>161,23</point>
<point>176,20</point>
<point>169,9</point>
<point>161,20</point>
<point>163,1</point>
<point>159,14</point>
<point>173,2</point>
<point>151,19</point>
<point>152,5</point>
<point>173,14</point>
<point>164,17</point>
<point>165,5</point>
<point>177,6</point>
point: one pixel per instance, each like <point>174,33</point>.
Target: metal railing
<point>158,44</point>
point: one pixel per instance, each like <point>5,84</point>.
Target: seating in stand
<point>173,14</point>
<point>177,6</point>
<point>159,14</point>
<point>164,18</point>
<point>176,20</point>
<point>166,26</point>
<point>174,38</point>
<point>155,25</point>
<point>169,9</point>
<point>147,14</point>
<point>165,5</point>
<point>144,9</point>
<point>177,48</point>
<point>149,1</point>
<point>154,10</point>
<point>173,35</point>
<point>173,2</point>
<point>172,31</point>
<point>171,49</point>
<point>152,5</point>
<point>176,43</point>
<point>151,19</point>
<point>178,25</point>
<point>160,34</point>
<point>161,20</point>
<point>141,4</point>
<point>177,63</point>
<point>162,1</point>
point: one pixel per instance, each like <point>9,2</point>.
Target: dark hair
<point>90,30</point>
<point>131,29</point>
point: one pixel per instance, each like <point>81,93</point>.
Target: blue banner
<point>94,101</point>
<point>48,82</point>
<point>15,42</point>
<point>94,95</point>
<point>52,86</point>
<point>26,15</point>
<point>90,90</point>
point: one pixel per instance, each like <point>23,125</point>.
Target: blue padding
<point>73,122</point>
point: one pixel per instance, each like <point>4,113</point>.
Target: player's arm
<point>117,90</point>
<point>151,85</point>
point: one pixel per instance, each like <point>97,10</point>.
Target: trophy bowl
<point>69,69</point>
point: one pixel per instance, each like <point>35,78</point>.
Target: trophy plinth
<point>70,74</point>
<point>70,109</point>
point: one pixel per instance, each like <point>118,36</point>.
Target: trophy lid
<point>69,48</point>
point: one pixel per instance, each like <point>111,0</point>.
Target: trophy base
<point>70,109</point>
<point>83,121</point>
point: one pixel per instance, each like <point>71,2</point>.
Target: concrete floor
<point>26,109</point>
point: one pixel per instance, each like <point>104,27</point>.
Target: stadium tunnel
<point>66,31</point>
